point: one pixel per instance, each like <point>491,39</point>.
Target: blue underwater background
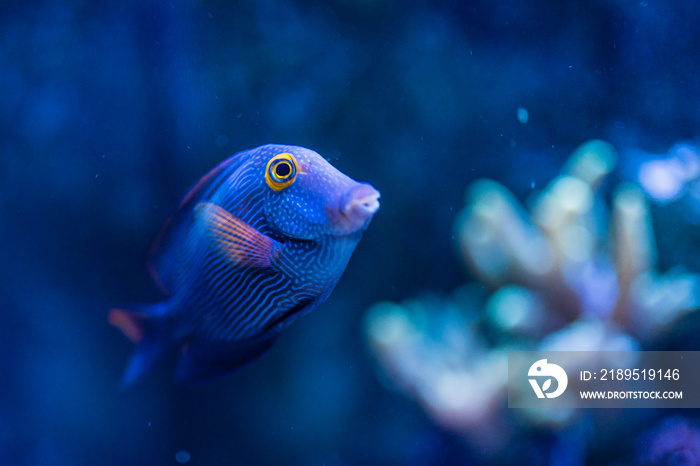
<point>110,110</point>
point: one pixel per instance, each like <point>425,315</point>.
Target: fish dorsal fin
<point>162,258</point>
<point>239,242</point>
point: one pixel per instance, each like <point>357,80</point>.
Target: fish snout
<point>357,207</point>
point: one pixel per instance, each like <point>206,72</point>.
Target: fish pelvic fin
<point>146,329</point>
<point>239,242</point>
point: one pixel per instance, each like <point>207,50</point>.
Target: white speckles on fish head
<point>316,203</point>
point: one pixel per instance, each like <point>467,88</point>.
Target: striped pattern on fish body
<point>259,241</point>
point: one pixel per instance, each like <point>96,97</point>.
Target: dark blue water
<point>109,111</point>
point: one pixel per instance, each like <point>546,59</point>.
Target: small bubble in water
<point>182,456</point>
<point>523,115</point>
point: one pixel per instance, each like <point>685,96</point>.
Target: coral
<point>674,441</point>
<point>567,272</point>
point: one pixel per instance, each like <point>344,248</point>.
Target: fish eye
<point>281,171</point>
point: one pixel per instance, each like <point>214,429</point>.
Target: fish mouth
<point>362,200</point>
<point>357,206</point>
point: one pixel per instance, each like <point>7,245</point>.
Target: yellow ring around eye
<point>281,171</point>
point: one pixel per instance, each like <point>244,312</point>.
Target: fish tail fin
<point>145,328</point>
<point>131,323</point>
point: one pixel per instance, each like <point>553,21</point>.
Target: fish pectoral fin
<point>239,242</point>
<point>202,361</point>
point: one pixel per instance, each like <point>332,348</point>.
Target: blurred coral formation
<point>568,271</point>
<point>675,441</point>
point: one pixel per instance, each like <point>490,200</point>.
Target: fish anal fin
<point>202,361</point>
<point>239,242</point>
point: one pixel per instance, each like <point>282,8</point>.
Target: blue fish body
<point>259,241</point>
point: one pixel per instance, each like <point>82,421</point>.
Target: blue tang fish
<point>259,241</point>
